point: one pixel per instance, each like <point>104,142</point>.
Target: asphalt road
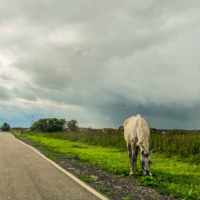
<point>26,175</point>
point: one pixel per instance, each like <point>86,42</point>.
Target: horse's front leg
<point>129,147</point>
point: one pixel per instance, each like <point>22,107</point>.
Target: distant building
<point>82,129</point>
<point>16,128</point>
<point>109,130</point>
<point>89,129</point>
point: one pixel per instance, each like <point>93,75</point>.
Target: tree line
<point>49,125</point>
<point>53,125</point>
<point>5,127</point>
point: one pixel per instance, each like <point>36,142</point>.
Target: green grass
<point>172,143</point>
<point>104,190</point>
<point>86,179</point>
<point>173,176</point>
<point>176,176</point>
<point>110,139</point>
<point>126,198</point>
<point>104,158</point>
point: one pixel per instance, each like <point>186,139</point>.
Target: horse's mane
<point>141,141</point>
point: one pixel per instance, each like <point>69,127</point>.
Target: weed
<point>104,190</point>
<point>86,179</point>
<point>175,142</point>
<point>126,198</point>
<point>110,194</point>
<point>52,155</point>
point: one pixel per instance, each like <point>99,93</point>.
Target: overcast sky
<point>100,62</point>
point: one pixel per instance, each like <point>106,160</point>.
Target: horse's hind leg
<point>129,147</point>
<point>135,154</point>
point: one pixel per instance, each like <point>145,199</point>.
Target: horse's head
<point>145,161</point>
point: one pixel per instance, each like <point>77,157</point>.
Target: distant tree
<point>5,127</point>
<point>121,128</point>
<point>72,125</point>
<point>48,125</point>
<point>153,130</point>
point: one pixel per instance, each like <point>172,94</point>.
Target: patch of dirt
<point>112,186</point>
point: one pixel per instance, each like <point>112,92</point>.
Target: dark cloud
<point>24,94</point>
<point>160,117</point>
<point>102,62</point>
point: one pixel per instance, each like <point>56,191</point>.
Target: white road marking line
<point>67,173</point>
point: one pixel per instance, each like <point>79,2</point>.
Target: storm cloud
<point>100,62</point>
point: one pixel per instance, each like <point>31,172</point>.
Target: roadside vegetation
<point>176,157</point>
<point>5,127</point>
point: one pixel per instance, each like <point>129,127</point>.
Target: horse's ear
<point>150,152</point>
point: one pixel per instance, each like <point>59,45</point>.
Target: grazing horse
<point>136,134</point>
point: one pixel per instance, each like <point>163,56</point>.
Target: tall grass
<point>171,143</point>
<point>177,143</point>
<point>107,139</point>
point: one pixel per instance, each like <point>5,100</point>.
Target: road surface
<point>24,175</point>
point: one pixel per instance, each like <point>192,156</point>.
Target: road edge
<point>90,189</point>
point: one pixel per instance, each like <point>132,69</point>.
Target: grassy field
<point>174,173</point>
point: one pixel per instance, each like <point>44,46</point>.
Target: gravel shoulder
<point>112,186</point>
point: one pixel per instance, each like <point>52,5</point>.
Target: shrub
<point>48,125</point>
<point>5,127</point>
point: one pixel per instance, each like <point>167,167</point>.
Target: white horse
<point>136,134</point>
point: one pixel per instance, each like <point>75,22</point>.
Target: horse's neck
<point>144,144</point>
<point>146,139</point>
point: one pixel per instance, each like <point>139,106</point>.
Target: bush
<point>72,125</point>
<point>5,127</point>
<point>176,142</point>
<point>48,125</point>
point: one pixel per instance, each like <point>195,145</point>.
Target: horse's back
<point>131,129</point>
